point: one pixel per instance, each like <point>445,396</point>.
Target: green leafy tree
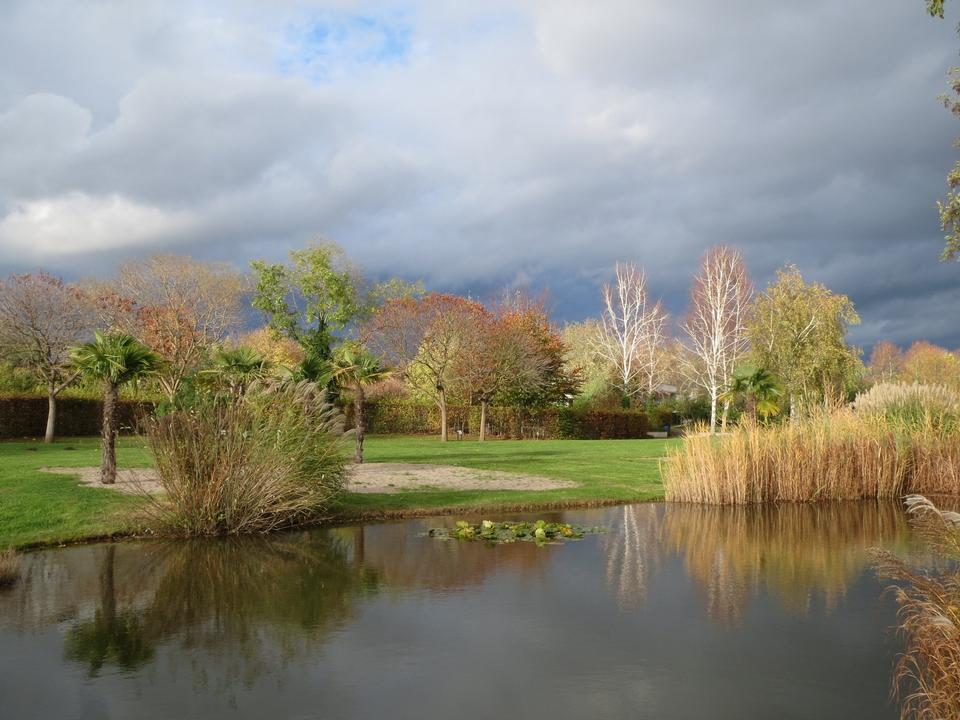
<point>114,359</point>
<point>355,368</point>
<point>949,206</point>
<point>798,333</point>
<point>757,387</point>
<point>311,299</point>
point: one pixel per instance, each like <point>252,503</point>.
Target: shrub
<point>9,568</point>
<point>273,459</point>
<point>927,676</point>
<point>930,406</point>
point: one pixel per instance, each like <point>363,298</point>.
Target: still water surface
<point>677,612</point>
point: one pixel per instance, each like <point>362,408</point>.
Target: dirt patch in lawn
<point>366,478</point>
<point>131,482</point>
<point>398,477</point>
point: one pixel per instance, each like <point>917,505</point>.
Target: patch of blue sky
<point>327,45</point>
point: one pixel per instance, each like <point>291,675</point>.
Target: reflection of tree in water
<point>794,550</point>
<point>254,602</point>
<point>632,550</point>
<point>110,637</point>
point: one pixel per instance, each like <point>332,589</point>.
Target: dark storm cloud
<point>532,143</point>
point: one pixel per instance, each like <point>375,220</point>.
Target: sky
<point>484,145</point>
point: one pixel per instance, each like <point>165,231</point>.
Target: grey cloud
<point>510,142</point>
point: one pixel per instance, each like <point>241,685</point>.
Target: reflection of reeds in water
<point>795,551</point>
<point>927,676</point>
<point>632,548</point>
<point>9,568</point>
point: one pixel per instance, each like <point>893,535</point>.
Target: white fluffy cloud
<point>473,145</point>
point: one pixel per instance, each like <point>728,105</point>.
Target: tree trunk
<point>442,402</point>
<point>752,406</point>
<point>51,414</point>
<point>725,415</point>
<point>358,422</point>
<point>713,410</point>
<point>108,456</point>
<point>483,419</point>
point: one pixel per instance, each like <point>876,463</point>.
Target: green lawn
<point>607,471</point>
<point>43,508</point>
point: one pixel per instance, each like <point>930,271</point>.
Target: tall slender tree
<point>716,322</point>
<point>355,368</point>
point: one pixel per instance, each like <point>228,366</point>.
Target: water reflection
<point>794,551</point>
<point>371,620</point>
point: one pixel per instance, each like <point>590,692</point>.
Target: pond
<point>676,612</point>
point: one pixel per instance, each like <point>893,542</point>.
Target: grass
<point>38,508</point>
<point>607,472</point>
<point>43,508</point>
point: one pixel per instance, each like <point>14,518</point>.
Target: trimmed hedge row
<point>402,418</point>
<point>26,416</point>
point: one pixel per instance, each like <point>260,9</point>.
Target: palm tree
<point>238,368</point>
<point>355,368</point>
<point>758,387</point>
<point>116,359</point>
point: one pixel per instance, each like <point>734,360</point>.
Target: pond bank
<point>39,508</point>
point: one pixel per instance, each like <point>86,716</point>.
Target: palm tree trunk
<point>51,414</point>
<point>483,418</point>
<point>358,399</point>
<point>108,456</point>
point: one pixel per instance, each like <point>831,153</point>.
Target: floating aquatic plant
<point>540,532</point>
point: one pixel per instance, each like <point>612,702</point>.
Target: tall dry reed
<point>927,677</point>
<point>840,455</point>
<point>270,459</point>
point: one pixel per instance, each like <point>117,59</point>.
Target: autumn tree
<point>529,316</point>
<point>503,355</point>
<point>179,307</point>
<point>423,339</point>
<point>41,318</point>
<point>279,351</point>
<point>716,322</point>
<point>930,364</point>
<point>886,362</point>
<point>798,333</point>
<point>632,332</point>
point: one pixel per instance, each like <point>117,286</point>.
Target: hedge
<point>26,416</point>
<point>404,418</point>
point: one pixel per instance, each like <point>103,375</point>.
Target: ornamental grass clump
<point>927,676</point>
<point>9,568</point>
<point>911,405</point>
<point>273,458</point>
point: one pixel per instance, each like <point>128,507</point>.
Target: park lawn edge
<point>351,507</point>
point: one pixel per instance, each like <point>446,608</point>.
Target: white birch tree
<point>716,324</point>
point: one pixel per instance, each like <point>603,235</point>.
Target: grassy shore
<point>42,508</point>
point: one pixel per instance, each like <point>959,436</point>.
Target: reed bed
<point>927,676</point>
<point>9,568</point>
<point>841,455</point>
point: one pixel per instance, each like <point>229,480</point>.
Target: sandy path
<point>366,478</point>
<point>396,477</point>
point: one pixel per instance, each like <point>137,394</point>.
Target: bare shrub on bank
<point>274,458</point>
<point>927,676</point>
